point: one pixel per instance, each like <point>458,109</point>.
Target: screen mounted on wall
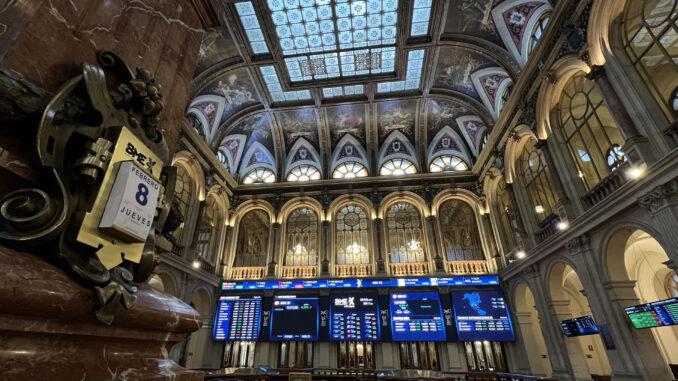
<point>416,316</point>
<point>354,317</point>
<point>482,315</point>
<point>580,326</point>
<point>655,314</point>
<point>294,318</point>
<point>238,318</point>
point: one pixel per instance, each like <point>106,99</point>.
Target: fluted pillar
<point>378,234</point>
<point>326,238</point>
<point>662,204</point>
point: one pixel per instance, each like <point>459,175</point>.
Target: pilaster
<point>662,203</point>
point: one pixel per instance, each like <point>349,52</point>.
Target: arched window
<point>447,163</point>
<point>459,231</point>
<point>588,129</point>
<point>349,170</point>
<point>650,32</point>
<point>352,230</point>
<point>504,212</point>
<point>538,30</point>
<point>259,176</point>
<point>252,247</point>
<point>537,181</point>
<point>397,167</point>
<point>303,173</point>
<point>302,238</point>
<point>505,95</point>
<point>208,225</point>
<point>222,159</point>
<point>184,188</point>
<point>405,234</point>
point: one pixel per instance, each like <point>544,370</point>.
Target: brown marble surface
<point>48,330</point>
<point>162,36</point>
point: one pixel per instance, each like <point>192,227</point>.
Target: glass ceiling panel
<point>250,23</point>
<point>415,63</point>
<point>338,91</point>
<point>276,91</point>
<point>334,38</point>
<point>420,17</point>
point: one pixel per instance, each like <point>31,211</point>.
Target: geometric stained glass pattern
<point>275,89</point>
<point>420,17</point>
<point>345,63</point>
<point>415,63</point>
<point>252,28</point>
<point>338,91</point>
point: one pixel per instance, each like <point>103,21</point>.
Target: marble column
<point>196,230</point>
<point>561,310</point>
<point>518,218</point>
<point>563,204</point>
<point>378,234</point>
<point>275,249</point>
<point>499,260</point>
<point>326,239</point>
<point>434,248</point>
<point>662,204</point>
<point>226,253</point>
<point>636,147</point>
<point>631,355</point>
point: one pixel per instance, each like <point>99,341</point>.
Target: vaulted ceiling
<point>321,82</point>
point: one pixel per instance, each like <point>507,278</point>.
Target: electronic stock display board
<point>294,318</point>
<point>354,317</point>
<point>482,315</point>
<point>238,318</point>
<point>579,326</point>
<point>481,280</point>
<point>416,316</point>
<point>656,314</point>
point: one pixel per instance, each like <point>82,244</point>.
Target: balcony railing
<point>238,273</point>
<point>353,270</point>
<point>467,267</point>
<point>606,186</point>
<point>296,272</point>
<point>409,268</point>
<point>206,265</point>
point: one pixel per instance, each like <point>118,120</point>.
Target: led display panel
<point>238,318</point>
<point>294,318</point>
<point>579,326</point>
<point>482,280</point>
<point>655,314</point>
<point>416,316</point>
<point>482,315</point>
<point>354,317</point>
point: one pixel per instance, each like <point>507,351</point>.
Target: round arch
<point>602,16</point>
<point>300,202</point>
<point>192,166</point>
<point>514,147</point>
<point>403,196</point>
<point>344,199</point>
<point>528,320</point>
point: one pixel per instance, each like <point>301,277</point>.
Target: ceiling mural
<point>310,111</point>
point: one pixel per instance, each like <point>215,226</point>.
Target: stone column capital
<point>660,197</point>
<point>596,72</point>
<point>578,245</point>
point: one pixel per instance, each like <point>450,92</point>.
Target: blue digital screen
<point>482,315</point>
<point>237,318</point>
<point>354,317</point>
<point>416,316</point>
<point>580,326</point>
<point>294,318</point>
<point>482,280</point>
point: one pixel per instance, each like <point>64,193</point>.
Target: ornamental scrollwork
<point>660,197</point>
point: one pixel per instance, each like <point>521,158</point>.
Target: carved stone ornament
<point>577,245</point>
<point>660,197</point>
<point>86,134</point>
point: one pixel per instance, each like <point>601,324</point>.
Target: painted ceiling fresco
<point>462,90</point>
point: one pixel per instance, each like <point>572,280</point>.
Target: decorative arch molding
<point>490,83</point>
<point>458,194</point>
<point>491,180</point>
<point>297,203</point>
<point>518,41</point>
<point>551,90</point>
<point>471,103</point>
<point>346,199</point>
<point>220,195</point>
<point>397,145</point>
<point>447,141</point>
<point>204,302</point>
<point>519,284</point>
<point>601,19</point>
<point>187,160</point>
<point>167,275</point>
<point>514,147</point>
<point>557,264</point>
<point>349,149</point>
<point>248,206</point>
<point>403,196</point>
<point>232,146</point>
<point>473,129</point>
<point>208,109</point>
<point>493,51</point>
<point>225,128</point>
<point>257,156</point>
<point>302,152</point>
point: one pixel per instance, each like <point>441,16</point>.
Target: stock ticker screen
<point>354,317</point>
<point>416,316</point>
<point>482,315</point>
<point>238,318</point>
<point>294,318</point>
<point>656,314</point>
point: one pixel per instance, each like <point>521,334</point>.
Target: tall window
<point>397,167</point>
<point>259,176</point>
<point>303,173</point>
<point>252,247</point>
<point>537,180</point>
<point>538,30</point>
<point>302,238</point>
<point>349,170</point>
<point>650,36</point>
<point>504,212</point>
<point>352,229</point>
<point>222,158</point>
<point>459,231</point>
<point>405,234</point>
<point>208,226</point>
<point>184,189</point>
<point>588,129</point>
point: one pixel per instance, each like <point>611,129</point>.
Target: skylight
<point>334,38</point>
<point>420,17</point>
<point>415,63</point>
<point>252,28</point>
<point>275,89</point>
<point>338,91</point>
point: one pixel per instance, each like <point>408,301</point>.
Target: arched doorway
<point>568,297</point>
<point>196,341</point>
<point>530,328</point>
<point>636,259</point>
<point>163,282</point>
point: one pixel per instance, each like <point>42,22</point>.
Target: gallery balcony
<point>409,268</point>
<point>353,270</point>
<point>242,273</point>
<point>467,267</point>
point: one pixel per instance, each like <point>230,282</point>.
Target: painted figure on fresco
<point>235,91</point>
